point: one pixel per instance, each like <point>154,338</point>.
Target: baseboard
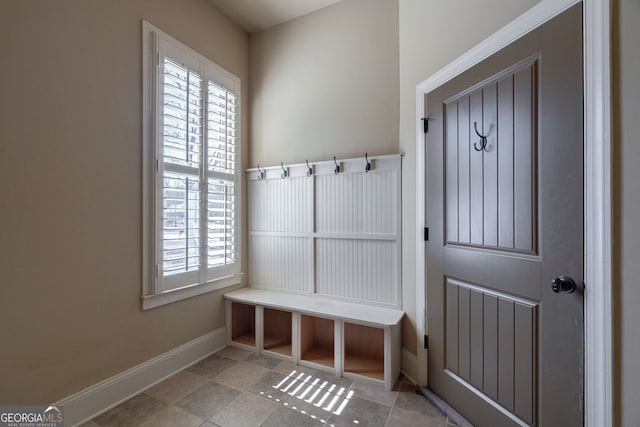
<point>409,365</point>
<point>100,397</point>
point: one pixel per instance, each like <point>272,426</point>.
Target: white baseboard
<point>410,365</point>
<point>100,397</point>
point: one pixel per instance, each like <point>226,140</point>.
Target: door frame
<point>598,326</point>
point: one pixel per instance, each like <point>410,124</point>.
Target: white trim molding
<point>98,398</point>
<point>598,215</point>
<point>409,365</point>
<point>597,188</point>
<point>153,301</point>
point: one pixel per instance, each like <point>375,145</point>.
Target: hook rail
<point>310,169</point>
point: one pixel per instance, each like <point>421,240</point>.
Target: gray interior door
<point>505,212</point>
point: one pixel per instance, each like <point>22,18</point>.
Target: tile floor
<point>235,387</point>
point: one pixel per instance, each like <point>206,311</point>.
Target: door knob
<point>564,284</point>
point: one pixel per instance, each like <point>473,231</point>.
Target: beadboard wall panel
<point>359,269</point>
<point>290,198</point>
<point>282,263</point>
<point>356,203</point>
<point>335,234</point>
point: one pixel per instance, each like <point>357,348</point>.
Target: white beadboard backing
<point>356,203</point>
<point>281,205</point>
<point>358,269</point>
<point>282,263</point>
<point>332,234</point>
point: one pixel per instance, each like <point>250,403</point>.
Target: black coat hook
<point>337,169</point>
<point>309,169</point>
<point>285,173</point>
<point>261,174</point>
<point>483,139</point>
<point>368,167</point>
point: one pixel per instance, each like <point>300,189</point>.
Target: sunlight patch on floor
<point>322,394</point>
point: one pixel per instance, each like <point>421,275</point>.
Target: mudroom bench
<point>344,338</point>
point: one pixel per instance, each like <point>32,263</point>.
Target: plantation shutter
<point>221,176</point>
<point>196,177</point>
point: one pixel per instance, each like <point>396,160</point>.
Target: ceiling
<point>258,15</point>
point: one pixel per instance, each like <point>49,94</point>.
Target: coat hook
<point>368,167</point>
<point>483,139</point>
<point>309,169</point>
<point>261,174</point>
<point>285,173</point>
<point>337,169</point>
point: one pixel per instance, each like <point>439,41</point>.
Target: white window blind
<point>181,156</point>
<point>221,169</point>
<point>196,118</point>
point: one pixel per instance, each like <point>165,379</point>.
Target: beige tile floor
<point>235,387</point>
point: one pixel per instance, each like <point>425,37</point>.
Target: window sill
<point>153,301</point>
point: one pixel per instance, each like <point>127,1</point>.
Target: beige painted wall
<point>432,34</point>
<point>71,179</point>
<point>626,112</point>
<point>326,84</point>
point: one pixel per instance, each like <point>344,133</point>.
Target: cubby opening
<point>317,340</point>
<point>364,350</point>
<point>277,331</point>
<point>243,323</point>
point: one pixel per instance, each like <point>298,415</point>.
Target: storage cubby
<point>243,323</point>
<point>338,337</point>
<point>277,331</point>
<point>364,350</point>
<point>317,340</point>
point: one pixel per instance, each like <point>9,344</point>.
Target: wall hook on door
<point>309,169</point>
<point>483,139</point>
<point>285,173</point>
<point>337,169</point>
<point>262,174</point>
<point>368,167</point>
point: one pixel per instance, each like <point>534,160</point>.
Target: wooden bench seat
<point>344,338</point>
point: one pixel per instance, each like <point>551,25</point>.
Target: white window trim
<point>152,296</point>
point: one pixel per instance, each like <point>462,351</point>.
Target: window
<point>191,162</point>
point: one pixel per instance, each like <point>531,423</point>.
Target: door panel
<point>523,158</point>
<point>464,167</point>
<point>505,220</point>
<point>490,351</point>
<point>474,194</point>
<point>475,174</point>
<point>476,326</point>
<point>453,172</point>
<point>506,206</point>
<point>490,165</point>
